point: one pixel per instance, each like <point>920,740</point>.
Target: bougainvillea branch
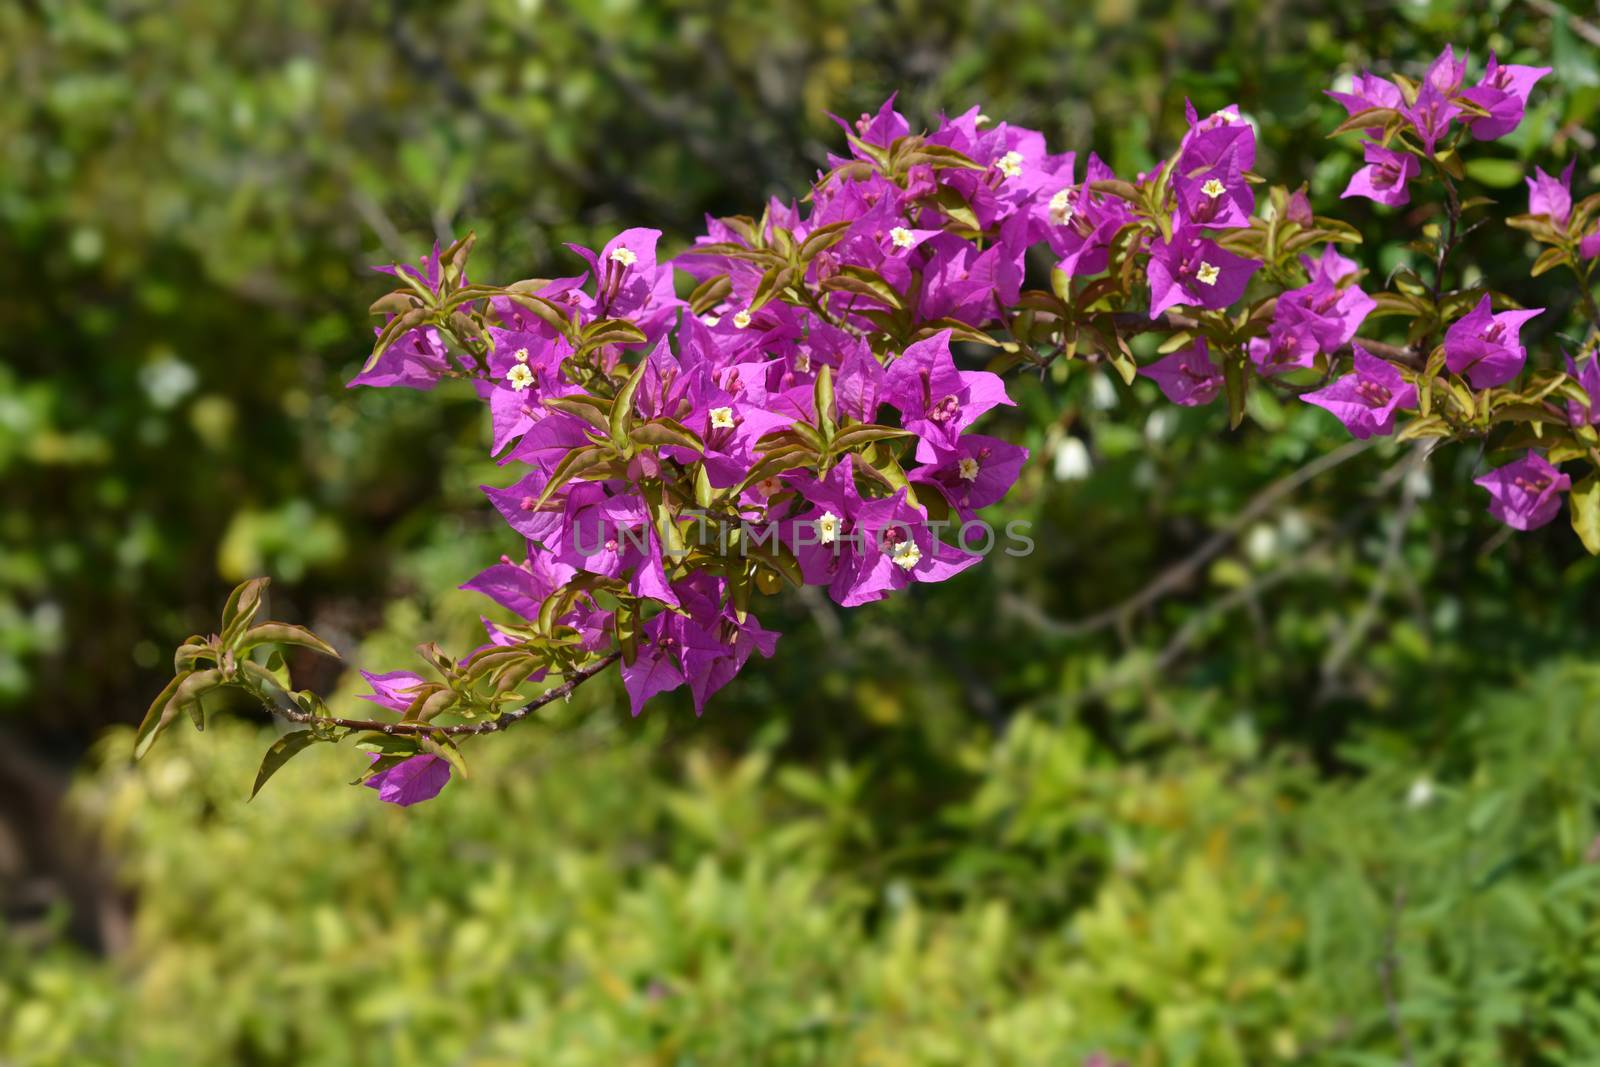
<point>793,400</point>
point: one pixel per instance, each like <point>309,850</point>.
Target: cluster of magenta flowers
<point>1406,122</point>
<point>802,382</point>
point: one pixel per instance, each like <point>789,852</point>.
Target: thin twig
<point>501,722</point>
<point>1181,573</point>
<point>1579,27</point>
<point>1192,628</point>
<point>1132,322</point>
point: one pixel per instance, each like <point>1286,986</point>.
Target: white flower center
<point>625,256</point>
<point>519,376</point>
<point>710,320</point>
<point>1010,164</point>
<point>520,355</point>
<point>1061,206</point>
<point>722,418</point>
<point>742,319</point>
<point>827,528</point>
<point>906,554</point>
<point>1213,188</point>
<point>802,362</point>
<point>902,237</point>
<point>967,468</point>
<point>1207,274</point>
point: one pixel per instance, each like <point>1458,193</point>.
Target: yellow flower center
<point>1207,274</point>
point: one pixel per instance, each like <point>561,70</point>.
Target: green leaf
<point>1371,118</point>
<point>283,633</point>
<point>622,407</point>
<point>448,750</point>
<point>172,701</point>
<point>549,311</point>
<point>594,410</point>
<point>773,282</point>
<point>664,431</point>
<point>282,751</point>
<point>572,464</point>
<point>393,330</point>
<point>941,157</point>
<point>864,282</point>
<point>610,332</point>
<point>955,206</point>
<point>822,238</point>
<point>703,492</point>
<point>1584,501</point>
<point>154,719</point>
<point>1548,260</point>
<point>709,293</point>
<point>240,611</point>
<point>855,436</point>
<point>822,398</point>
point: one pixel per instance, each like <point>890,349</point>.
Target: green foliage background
<point>1331,801</point>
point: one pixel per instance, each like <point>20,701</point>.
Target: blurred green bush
<point>600,896</point>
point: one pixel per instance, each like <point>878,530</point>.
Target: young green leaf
<point>282,751</point>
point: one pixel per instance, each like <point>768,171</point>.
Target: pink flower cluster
<point>807,386</point>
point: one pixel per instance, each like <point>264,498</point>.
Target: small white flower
<point>967,469</point>
<point>1207,274</point>
<point>1213,188</point>
<point>906,554</point>
<point>625,256</point>
<point>722,418</point>
<point>827,528</point>
<point>1420,795</point>
<point>520,355</point>
<point>1061,206</point>
<point>802,362</point>
<point>711,320</point>
<point>982,120</point>
<point>520,377</point>
<point>902,237</point>
<point>742,319</point>
<point>1010,164</point>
